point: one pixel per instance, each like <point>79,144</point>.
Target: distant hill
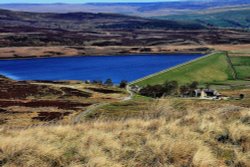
<point>231,18</point>
<point>82,21</point>
<point>102,30</point>
<point>39,29</point>
<point>142,9</point>
<point>223,13</point>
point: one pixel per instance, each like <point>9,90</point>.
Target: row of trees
<point>109,82</point>
<point>169,88</point>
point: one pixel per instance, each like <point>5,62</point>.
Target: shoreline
<point>79,58</point>
<point>14,53</point>
<point>110,55</point>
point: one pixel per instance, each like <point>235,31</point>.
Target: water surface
<point>126,67</point>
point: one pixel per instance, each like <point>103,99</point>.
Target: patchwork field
<point>242,66</point>
<point>218,70</point>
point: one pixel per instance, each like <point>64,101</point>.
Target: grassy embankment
<point>208,69</point>
<point>168,132</point>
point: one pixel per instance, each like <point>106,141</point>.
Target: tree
<point>87,82</point>
<point>154,91</point>
<point>184,90</point>
<point>109,82</point>
<point>208,86</point>
<point>194,85</point>
<point>99,82</point>
<point>171,87</point>
<point>242,96</point>
<point>123,84</point>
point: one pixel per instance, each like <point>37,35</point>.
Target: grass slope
<point>209,69</point>
<point>176,133</point>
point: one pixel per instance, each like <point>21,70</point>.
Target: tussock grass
<point>169,133</point>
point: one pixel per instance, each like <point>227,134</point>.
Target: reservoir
<point>117,68</point>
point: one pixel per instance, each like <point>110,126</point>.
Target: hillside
<point>170,132</point>
<point>47,29</point>
<point>25,103</point>
<point>24,34</point>
<point>226,18</point>
<point>142,9</point>
<point>83,21</point>
<point>205,70</point>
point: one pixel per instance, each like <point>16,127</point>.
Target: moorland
<point>25,34</point>
<point>77,123</point>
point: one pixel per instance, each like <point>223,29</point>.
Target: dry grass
<point>171,133</point>
<point>61,51</point>
<point>21,115</point>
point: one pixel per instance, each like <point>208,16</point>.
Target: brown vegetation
<point>48,51</point>
<point>168,133</point>
<point>46,35</point>
<point>25,103</point>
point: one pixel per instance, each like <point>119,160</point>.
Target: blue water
<point>126,67</point>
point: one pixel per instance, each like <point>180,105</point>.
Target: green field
<point>210,69</point>
<point>242,67</point>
